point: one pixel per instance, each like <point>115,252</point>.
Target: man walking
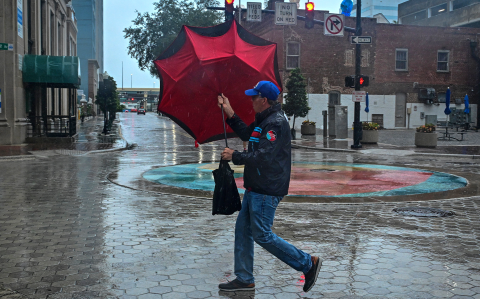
<point>266,180</point>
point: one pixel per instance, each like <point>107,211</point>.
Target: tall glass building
<point>389,8</point>
<point>89,15</point>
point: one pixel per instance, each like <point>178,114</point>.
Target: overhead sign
<point>360,39</point>
<point>334,24</point>
<point>285,13</point>
<point>254,11</point>
<point>20,18</point>
<point>358,96</point>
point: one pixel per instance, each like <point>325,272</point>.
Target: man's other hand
<point>227,154</point>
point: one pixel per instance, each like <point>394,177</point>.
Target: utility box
<point>333,100</point>
<point>431,119</point>
<point>341,122</point>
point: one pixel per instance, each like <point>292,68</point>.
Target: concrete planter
<point>369,136</point>
<point>425,139</point>
<point>308,129</point>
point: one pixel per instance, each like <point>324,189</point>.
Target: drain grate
<point>322,170</point>
<point>423,212</point>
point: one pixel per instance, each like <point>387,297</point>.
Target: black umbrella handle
<point>224,129</point>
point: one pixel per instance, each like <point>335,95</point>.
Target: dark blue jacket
<point>268,159</point>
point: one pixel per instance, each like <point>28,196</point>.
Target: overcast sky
<point>119,14</point>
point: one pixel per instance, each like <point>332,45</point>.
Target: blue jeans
<point>254,223</point>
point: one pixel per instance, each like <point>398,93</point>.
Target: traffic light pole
<point>357,125</point>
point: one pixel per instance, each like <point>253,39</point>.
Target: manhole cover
<point>423,212</point>
<point>322,170</point>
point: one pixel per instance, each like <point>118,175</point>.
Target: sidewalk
<point>392,140</point>
<point>87,140</point>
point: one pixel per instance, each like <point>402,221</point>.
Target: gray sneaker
<point>236,285</point>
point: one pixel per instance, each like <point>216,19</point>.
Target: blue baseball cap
<point>265,89</point>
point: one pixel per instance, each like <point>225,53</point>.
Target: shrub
<point>307,122</point>
<point>428,128</point>
<point>370,126</point>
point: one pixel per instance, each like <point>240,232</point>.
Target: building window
<point>439,9</point>
<point>461,3</point>
<point>442,60</point>
<point>293,55</point>
<point>401,59</point>
<point>414,17</point>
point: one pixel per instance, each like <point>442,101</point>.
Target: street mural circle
<point>322,179</point>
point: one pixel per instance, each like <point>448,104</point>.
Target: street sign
<point>254,11</point>
<point>334,24</point>
<point>3,46</point>
<point>285,13</point>
<point>358,96</point>
<point>360,39</point>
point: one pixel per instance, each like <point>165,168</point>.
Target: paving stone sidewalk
<point>87,139</point>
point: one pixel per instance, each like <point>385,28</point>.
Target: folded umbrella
<point>467,105</point>
<point>447,110</point>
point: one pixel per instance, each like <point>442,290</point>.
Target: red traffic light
<point>308,6</point>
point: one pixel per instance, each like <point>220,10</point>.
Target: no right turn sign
<point>334,24</point>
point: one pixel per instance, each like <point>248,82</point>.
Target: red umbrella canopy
<point>204,62</point>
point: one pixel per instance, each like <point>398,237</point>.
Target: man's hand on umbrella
<point>223,100</point>
<point>227,154</point>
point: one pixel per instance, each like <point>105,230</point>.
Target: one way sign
<point>360,39</point>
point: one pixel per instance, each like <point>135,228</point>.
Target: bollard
<point>325,121</point>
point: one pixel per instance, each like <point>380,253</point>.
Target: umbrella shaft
<point>224,129</point>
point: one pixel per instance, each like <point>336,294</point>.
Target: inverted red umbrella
<point>204,62</point>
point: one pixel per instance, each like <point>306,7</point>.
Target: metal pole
<point>122,75</point>
<point>224,129</point>
<point>325,123</point>
<point>357,126</point>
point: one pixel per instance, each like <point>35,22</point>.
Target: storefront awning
<point>52,71</point>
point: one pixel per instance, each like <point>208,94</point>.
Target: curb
<point>17,158</point>
<point>325,149</point>
<point>360,152</point>
<point>127,145</point>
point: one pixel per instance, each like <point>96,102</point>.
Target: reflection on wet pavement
<point>71,233</point>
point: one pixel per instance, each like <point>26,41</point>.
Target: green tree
<point>296,99</point>
<point>152,33</point>
<point>107,94</point>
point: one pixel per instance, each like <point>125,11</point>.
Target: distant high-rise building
<point>370,8</point>
<point>89,15</point>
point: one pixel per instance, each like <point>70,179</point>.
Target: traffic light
<point>309,13</point>
<point>229,10</point>
<point>350,81</point>
<point>363,81</point>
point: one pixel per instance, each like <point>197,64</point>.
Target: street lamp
<point>131,80</point>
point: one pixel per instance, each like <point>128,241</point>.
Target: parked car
<point>133,110</point>
<point>141,111</point>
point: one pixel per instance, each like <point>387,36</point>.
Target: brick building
<point>408,66</point>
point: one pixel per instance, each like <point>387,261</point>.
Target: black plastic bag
<point>226,199</point>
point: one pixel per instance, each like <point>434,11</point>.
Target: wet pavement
<point>83,226</point>
<point>89,138</point>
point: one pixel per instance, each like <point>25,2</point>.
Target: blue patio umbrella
<point>346,7</point>
<point>447,102</point>
<point>467,104</point>
<point>366,104</point>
